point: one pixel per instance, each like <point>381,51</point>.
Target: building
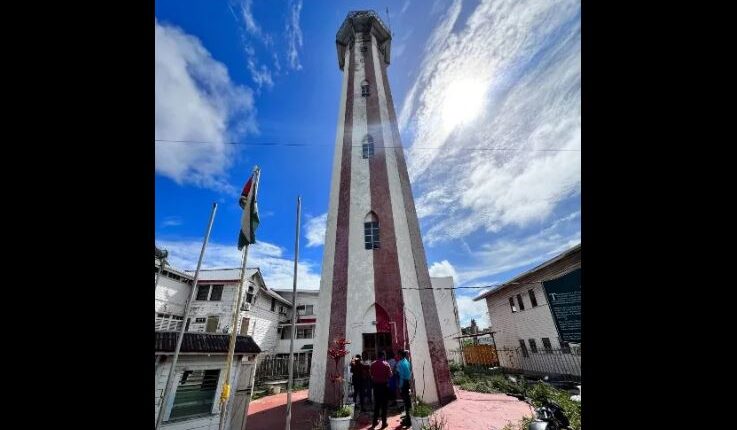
<point>306,303</point>
<point>450,324</point>
<point>200,372</point>
<point>375,288</point>
<point>522,320</point>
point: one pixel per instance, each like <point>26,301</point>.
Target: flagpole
<point>294,318</point>
<point>180,336</point>
<point>225,395</point>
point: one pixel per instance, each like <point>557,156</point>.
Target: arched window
<point>365,88</point>
<point>368,146</point>
<point>371,231</point>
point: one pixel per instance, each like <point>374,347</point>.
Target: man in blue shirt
<point>405,373</point>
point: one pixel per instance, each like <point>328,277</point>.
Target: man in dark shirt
<point>357,379</point>
<point>380,374</point>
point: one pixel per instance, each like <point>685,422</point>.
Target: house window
<point>368,146</point>
<point>304,333</point>
<point>533,346</point>
<point>212,324</point>
<point>547,345</point>
<point>282,310</point>
<point>199,320</point>
<point>217,293</point>
<point>533,299</point>
<point>273,304</point>
<point>168,322</point>
<point>244,326</point>
<point>520,302</point>
<point>524,348</point>
<point>202,292</point>
<point>286,334</point>
<point>195,393</point>
<point>249,294</point>
<point>371,231</point>
<point>303,310</point>
<point>511,305</point>
<point>364,88</point>
<point>210,292</point>
<point>565,347</point>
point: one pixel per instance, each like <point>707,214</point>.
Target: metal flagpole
<point>294,319</point>
<point>225,395</point>
<point>180,336</point>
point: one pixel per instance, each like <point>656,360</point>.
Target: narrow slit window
<point>371,231</point>
<point>368,146</point>
<point>365,88</point>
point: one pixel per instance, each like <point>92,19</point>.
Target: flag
<point>249,220</point>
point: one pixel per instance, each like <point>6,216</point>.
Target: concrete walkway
<point>471,411</point>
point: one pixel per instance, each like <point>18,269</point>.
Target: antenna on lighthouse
<point>389,22</point>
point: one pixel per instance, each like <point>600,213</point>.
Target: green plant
<point>521,424</point>
<point>421,410</point>
<point>342,412</point>
<point>571,409</point>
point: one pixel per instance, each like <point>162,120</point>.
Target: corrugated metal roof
<point>227,275</point>
<point>204,342</point>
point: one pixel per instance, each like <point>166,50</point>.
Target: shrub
<point>342,412</point>
<point>421,410</point>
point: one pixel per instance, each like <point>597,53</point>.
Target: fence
<point>275,367</point>
<point>561,363</point>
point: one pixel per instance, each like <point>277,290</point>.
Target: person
<point>357,379</point>
<point>366,378</point>
<point>405,373</point>
<point>394,380</point>
<point>380,372</point>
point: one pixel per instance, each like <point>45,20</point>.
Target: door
<point>373,343</point>
<point>212,325</point>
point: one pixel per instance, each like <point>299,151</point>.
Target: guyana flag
<point>249,220</point>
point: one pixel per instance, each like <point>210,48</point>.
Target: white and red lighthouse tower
<point>375,288</point>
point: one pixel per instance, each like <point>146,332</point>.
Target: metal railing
<point>274,367</point>
<point>562,363</point>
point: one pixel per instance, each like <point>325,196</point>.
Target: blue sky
<point>467,76</point>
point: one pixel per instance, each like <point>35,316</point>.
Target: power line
<point>252,143</point>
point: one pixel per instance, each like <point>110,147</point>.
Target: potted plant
<point>420,415</point>
<point>340,419</point>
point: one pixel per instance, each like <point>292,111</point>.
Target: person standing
<point>365,366</point>
<point>380,372</point>
<point>357,379</point>
<point>405,373</point>
<point>394,380</point>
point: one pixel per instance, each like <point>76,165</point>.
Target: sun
<point>462,102</point>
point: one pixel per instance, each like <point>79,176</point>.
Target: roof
<point>223,275</point>
<point>204,342</point>
<point>362,21</point>
<point>532,272</point>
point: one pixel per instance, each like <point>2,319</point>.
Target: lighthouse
<point>375,288</point>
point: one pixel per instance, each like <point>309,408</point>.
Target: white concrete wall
<point>317,373</point>
<point>361,298</point>
<point>194,362</point>
<point>448,314</point>
<point>171,296</point>
<point>419,351</point>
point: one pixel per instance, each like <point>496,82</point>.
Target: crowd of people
<point>383,381</point>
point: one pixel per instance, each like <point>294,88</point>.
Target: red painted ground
<point>471,411</point>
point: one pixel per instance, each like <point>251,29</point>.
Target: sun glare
<point>463,101</point>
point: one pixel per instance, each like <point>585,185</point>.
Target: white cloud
<point>294,34</point>
<point>315,230</point>
<point>443,269</point>
<point>195,100</point>
<point>276,268</point>
<point>468,309</point>
<point>522,60</point>
<point>405,6</point>
<point>251,25</point>
<point>260,74</point>
<point>171,221</point>
<point>507,254</point>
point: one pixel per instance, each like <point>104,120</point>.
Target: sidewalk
<point>471,411</point>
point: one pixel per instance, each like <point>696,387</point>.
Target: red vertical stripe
<point>387,279</point>
<point>340,260</point>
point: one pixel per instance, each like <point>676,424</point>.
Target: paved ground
<point>472,411</point>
